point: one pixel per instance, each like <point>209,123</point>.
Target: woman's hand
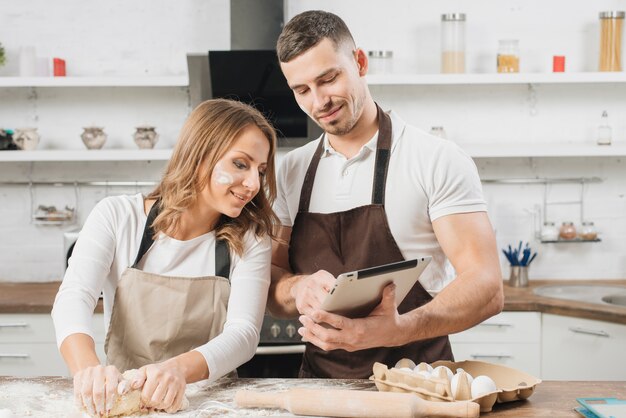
<point>163,385</point>
<point>95,388</point>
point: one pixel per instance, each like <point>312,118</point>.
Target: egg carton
<point>511,384</point>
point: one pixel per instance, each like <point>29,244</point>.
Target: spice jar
<point>588,231</point>
<point>380,62</point>
<point>567,231</point>
<point>508,56</point>
<point>549,232</point>
<point>438,131</point>
<point>611,40</point>
<point>453,43</point>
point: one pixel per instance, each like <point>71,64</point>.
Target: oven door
<point>275,361</point>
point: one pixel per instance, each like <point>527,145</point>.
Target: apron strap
<point>222,253</point>
<point>383,150</point>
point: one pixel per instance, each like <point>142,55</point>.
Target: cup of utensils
<point>519,258</point>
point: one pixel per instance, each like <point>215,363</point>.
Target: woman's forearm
<point>79,352</point>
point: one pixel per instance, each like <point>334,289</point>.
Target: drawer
<point>33,359</point>
<point>524,357</point>
<point>21,328</point>
<point>522,327</point>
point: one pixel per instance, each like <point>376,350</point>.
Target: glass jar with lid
<point>611,24</point>
<point>588,231</point>
<point>567,231</point>
<point>453,43</point>
<point>380,62</point>
<point>508,56</point>
<point>549,232</point>
<point>438,131</point>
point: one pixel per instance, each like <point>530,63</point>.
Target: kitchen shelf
<point>87,155</point>
<point>496,78</point>
<point>112,81</point>
<point>569,241</point>
<point>543,149</point>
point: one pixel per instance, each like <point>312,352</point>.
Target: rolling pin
<point>355,403</point>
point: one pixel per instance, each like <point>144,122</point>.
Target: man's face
<point>328,85</point>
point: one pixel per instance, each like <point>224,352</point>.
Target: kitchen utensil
<point>354,403</point>
<point>519,276</point>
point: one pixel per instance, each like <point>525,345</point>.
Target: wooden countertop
<point>38,298</point>
<point>43,397</point>
<point>523,299</point>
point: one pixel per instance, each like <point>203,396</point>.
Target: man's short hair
<point>309,28</point>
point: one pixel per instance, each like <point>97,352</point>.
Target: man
<point>373,190</point>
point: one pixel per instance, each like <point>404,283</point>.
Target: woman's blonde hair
<point>208,133</point>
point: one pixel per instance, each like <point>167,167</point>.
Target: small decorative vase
<point>94,137</point>
<point>145,137</point>
<point>26,139</point>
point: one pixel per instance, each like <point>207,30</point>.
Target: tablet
<point>357,293</point>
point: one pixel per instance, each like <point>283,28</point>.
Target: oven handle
<point>280,349</point>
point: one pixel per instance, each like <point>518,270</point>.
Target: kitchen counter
<point>38,298</point>
<point>52,397</point>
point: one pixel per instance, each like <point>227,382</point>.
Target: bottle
<point>438,131</point>
<point>453,43</point>
<point>549,232</point>
<point>611,24</point>
<point>604,130</point>
<point>508,56</point>
<point>380,62</point>
<point>588,231</point>
<point>567,231</point>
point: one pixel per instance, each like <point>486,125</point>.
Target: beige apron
<point>158,317</point>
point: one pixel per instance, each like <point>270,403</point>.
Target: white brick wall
<point>152,37</point>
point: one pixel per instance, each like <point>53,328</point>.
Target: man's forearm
<point>280,302</point>
<point>470,299</point>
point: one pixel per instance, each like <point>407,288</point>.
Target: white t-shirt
<point>428,177</point>
<point>108,244</point>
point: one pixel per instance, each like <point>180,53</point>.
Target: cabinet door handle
<point>14,325</point>
<point>490,356</point>
<point>496,324</point>
<point>579,330</point>
<point>14,355</point>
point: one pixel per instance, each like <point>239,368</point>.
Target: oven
<point>279,353</point>
<point>280,349</point>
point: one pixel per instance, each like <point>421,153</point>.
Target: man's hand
<point>309,291</point>
<point>381,328</point>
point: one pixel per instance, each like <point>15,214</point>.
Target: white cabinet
<point>510,338</point>
<point>582,349</point>
<point>28,345</point>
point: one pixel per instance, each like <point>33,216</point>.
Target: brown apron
<point>157,317</point>
<point>351,240</point>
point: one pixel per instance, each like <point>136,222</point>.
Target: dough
<point>130,402</point>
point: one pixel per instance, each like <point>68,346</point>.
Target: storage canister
<point>611,24</point>
<point>380,62</point>
<point>508,56</point>
<point>453,43</point>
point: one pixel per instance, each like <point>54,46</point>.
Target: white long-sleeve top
<point>108,244</point>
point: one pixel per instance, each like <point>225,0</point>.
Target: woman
<point>184,271</point>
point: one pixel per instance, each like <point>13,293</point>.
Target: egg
<point>482,385</point>
<point>405,369</point>
<point>443,372</point>
<point>423,367</point>
<point>405,362</point>
<point>461,386</point>
<point>424,373</point>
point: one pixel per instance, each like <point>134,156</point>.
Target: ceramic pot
<point>94,137</point>
<point>26,139</point>
<point>145,137</point>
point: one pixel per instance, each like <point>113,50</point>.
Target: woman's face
<point>237,176</point>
